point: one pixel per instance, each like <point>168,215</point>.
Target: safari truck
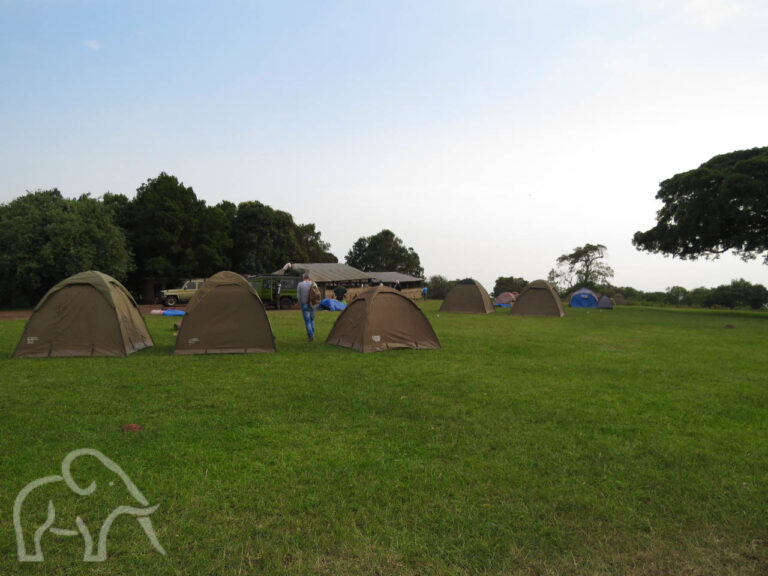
<point>276,290</point>
<point>181,295</point>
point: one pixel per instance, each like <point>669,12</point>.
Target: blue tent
<point>583,298</point>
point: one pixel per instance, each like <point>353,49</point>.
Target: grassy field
<point>632,441</point>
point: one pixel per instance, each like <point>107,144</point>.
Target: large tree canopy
<point>265,239</point>
<point>384,252</point>
<point>313,247</point>
<point>738,294</point>
<point>509,284</point>
<point>164,232</point>
<point>174,234</point>
<point>582,267</point>
<point>720,206</point>
<point>45,238</point>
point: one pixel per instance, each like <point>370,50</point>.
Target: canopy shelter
<point>393,278</point>
<point>225,316</point>
<point>381,318</point>
<point>326,272</point>
<point>88,314</point>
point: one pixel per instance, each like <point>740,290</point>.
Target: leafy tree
<point>698,296</point>
<point>509,284</point>
<point>265,238</point>
<point>45,238</point>
<point>738,294</point>
<point>561,280</point>
<point>582,267</point>
<point>120,206</point>
<point>628,292</point>
<point>439,286</point>
<point>678,296</point>
<point>214,240</point>
<point>174,234</point>
<point>230,212</point>
<point>170,232</point>
<point>384,252</point>
<point>655,297</point>
<point>720,206</point>
<point>313,248</point>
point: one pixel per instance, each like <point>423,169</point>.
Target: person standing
<point>303,291</point>
<point>339,291</point>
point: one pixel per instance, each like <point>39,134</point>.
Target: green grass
<point>632,441</point>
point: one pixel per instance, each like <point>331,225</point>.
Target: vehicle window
<point>189,285</point>
<point>198,284</point>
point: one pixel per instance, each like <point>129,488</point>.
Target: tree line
<point>165,231</point>
<point>584,267</point>
<point>737,294</point>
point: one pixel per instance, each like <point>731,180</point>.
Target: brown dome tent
<point>381,318</point>
<point>225,316</point>
<point>467,297</point>
<point>538,299</point>
<point>88,314</point>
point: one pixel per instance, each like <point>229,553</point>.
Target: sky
<point>491,136</point>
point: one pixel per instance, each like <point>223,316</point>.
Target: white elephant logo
<point>141,513</point>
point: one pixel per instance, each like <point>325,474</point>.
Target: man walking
<point>303,292</point>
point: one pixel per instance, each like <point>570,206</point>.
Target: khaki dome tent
<point>538,299</point>
<point>225,316</point>
<point>88,314</point>
<point>381,318</point>
<point>468,297</point>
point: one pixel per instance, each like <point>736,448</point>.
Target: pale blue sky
<point>490,135</point>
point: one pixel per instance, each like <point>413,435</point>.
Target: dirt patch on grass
<point>144,308</point>
<point>8,314</point>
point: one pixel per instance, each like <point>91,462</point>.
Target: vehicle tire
<point>171,301</point>
<point>286,303</point>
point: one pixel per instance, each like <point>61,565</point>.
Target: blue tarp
<point>332,305</point>
<point>504,305</point>
<point>173,312</point>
